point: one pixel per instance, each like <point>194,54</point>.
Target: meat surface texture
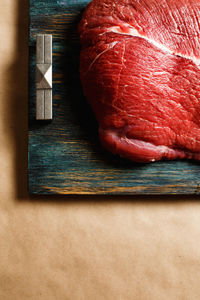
<point>140,71</point>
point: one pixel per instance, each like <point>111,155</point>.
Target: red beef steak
<point>140,71</point>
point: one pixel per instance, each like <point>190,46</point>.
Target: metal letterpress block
<point>44,77</point>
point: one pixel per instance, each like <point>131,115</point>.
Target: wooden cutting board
<point>65,156</point>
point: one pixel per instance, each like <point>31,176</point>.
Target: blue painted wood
<point>65,155</point>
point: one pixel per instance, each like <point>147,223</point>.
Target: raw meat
<point>140,71</point>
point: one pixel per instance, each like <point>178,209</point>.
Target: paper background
<point>79,247</point>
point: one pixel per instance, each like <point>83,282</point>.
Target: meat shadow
<point>74,100</point>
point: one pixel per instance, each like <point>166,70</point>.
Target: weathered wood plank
<point>65,156</point>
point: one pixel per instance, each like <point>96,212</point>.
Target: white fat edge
<point>134,32</point>
<point>140,143</point>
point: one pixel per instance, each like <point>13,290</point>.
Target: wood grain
<point>65,156</point>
